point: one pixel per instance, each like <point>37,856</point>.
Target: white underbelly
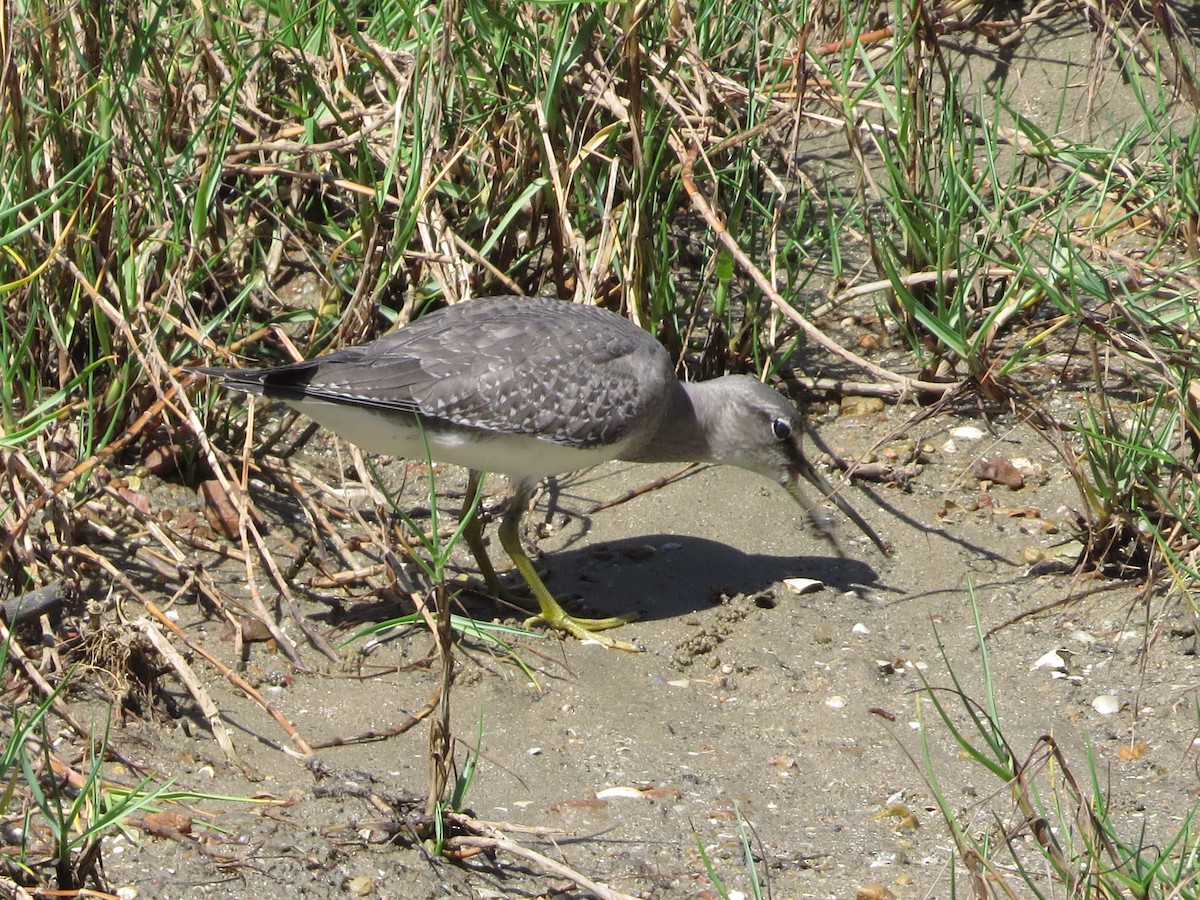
<point>396,435</point>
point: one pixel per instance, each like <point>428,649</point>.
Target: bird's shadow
<point>664,576</point>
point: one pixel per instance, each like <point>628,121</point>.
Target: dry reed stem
<point>187,675</point>
<point>236,680</point>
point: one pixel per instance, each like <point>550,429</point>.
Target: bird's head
<point>763,432</point>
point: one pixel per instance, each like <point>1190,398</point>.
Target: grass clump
<point>1048,829</point>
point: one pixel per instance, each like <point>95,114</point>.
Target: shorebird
<point>536,387</point>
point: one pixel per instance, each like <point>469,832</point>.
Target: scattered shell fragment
<point>803,585</point>
<point>1106,704</point>
<point>966,433</point>
<point>620,792</point>
<point>1019,512</point>
<point>1051,660</point>
<point>252,630</point>
<point>874,892</point>
<point>1001,470</point>
<point>836,702</point>
<point>860,628</point>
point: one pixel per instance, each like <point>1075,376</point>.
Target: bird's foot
<point>586,629</point>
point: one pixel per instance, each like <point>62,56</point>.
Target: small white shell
<point>622,793</point>
<point>1051,660</point>
<point>1106,704</point>
<point>967,433</point>
<point>803,585</point>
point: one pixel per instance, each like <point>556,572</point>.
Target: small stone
<point>874,892</point>
<point>861,406</point>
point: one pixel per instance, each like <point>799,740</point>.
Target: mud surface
<point>797,713</point>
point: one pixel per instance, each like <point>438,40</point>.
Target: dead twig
<point>235,679</point>
<point>188,676</point>
<point>141,424</point>
<point>497,842</point>
<point>368,737</point>
<point>654,485</point>
<point>15,651</point>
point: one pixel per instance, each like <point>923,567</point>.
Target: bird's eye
<point>782,429</point>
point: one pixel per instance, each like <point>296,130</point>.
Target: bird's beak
<point>801,467</point>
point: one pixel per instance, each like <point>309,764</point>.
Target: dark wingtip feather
<point>247,380</point>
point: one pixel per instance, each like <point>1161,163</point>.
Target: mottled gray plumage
<point>502,365</point>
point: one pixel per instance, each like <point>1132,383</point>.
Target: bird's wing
<point>574,375</point>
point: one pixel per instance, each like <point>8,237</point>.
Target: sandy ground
<point>798,713</point>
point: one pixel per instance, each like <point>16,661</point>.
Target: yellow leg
<point>550,611</point>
